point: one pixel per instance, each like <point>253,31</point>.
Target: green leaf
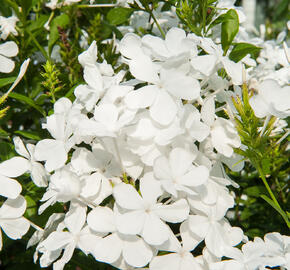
<point>3,134</point>
<point>31,208</point>
<point>28,135</point>
<point>59,21</point>
<point>26,6</point>
<point>217,21</point>
<point>230,27</point>
<point>279,210</point>
<point>27,101</point>
<point>240,50</point>
<point>6,81</point>
<point>39,23</point>
<point>266,165</point>
<point>119,15</point>
<point>6,151</point>
<point>255,191</point>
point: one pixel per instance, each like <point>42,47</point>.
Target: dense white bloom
<point>137,161</point>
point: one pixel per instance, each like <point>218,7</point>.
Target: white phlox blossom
<point>141,20</point>
<point>258,254</point>
<point>272,99</point>
<point>54,151</point>
<point>7,26</point>
<point>139,162</point>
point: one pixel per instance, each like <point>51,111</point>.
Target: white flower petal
<point>6,64</point>
<point>57,240</point>
<point>10,188</point>
<point>164,109</point>
<point>131,222</point>
<point>143,69</point>
<point>150,188</point>
<point>51,151</point>
<point>234,70</point>
<point>204,63</point>
<point>20,148</point>
<point>162,168</point>
<point>136,252</point>
<point>155,232</point>
<point>9,49</point>
<point>199,225</point>
<point>195,177</point>
<point>13,208</point>
<point>180,160</point>
<point>101,219</point>
<point>15,228</point>
<point>130,46</point>
<point>142,97</point>
<point>181,86</point>
<point>166,262</point>
<point>127,197</point>
<point>75,218</point>
<point>14,167</point>
<point>174,213</point>
<point>108,249</point>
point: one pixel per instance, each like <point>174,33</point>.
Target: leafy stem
<point>261,149</point>
<point>150,11</point>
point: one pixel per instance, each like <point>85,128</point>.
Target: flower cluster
<point>139,162</point>
<point>138,158</point>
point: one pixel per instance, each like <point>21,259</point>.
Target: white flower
<point>219,236</point>
<point>224,136</point>
<point>54,151</point>
<point>169,87</point>
<point>37,171</point>
<point>77,236</point>
<point>272,99</point>
<point>11,220</point>
<point>144,215</point>
<point>64,186</point>
<point>7,49</point>
<point>115,246</point>
<point>181,257</point>
<point>210,63</point>
<point>177,173</point>
<point>7,26</point>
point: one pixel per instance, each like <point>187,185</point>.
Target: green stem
<point>267,186</point>
<point>204,12</point>
<point>38,45</point>
<point>274,201</point>
<point>125,178</point>
<point>155,20</point>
